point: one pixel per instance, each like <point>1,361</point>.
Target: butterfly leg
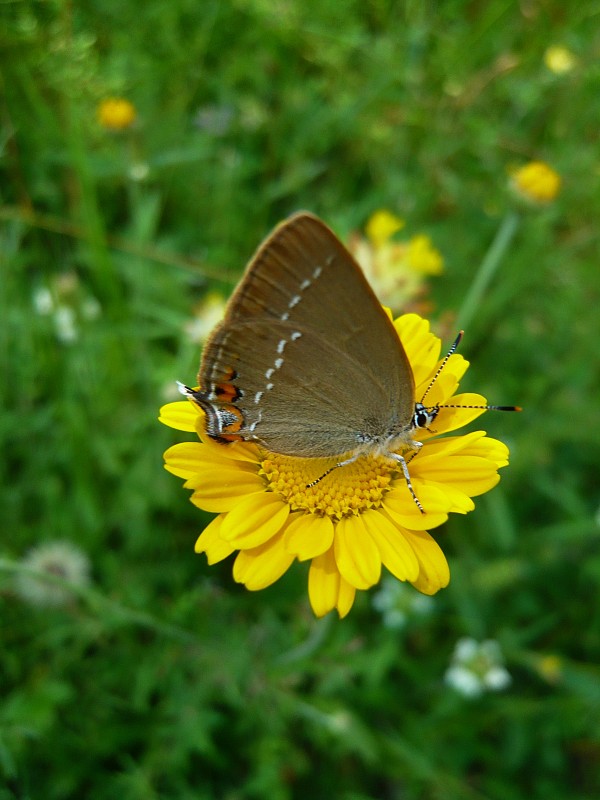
<point>399,459</point>
<point>330,470</point>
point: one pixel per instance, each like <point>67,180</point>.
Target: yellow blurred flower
<point>116,113</point>
<point>423,257</point>
<point>396,269</point>
<point>537,182</point>
<point>550,667</point>
<point>559,59</point>
<point>381,226</point>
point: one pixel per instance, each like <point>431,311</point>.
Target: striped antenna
<point>450,352</point>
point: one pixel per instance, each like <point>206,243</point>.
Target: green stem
<point>487,270</point>
<point>311,644</point>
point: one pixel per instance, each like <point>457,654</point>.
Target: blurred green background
<point>159,677</point>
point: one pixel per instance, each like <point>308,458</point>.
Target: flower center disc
<point>345,491</point>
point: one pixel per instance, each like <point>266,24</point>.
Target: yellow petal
<point>183,459</point>
<point>220,487</point>
<point>449,419</point>
<point>396,553</point>
<point>382,225</point>
<point>448,445</point>
<point>356,554</point>
<point>211,468</point>
<point>308,535</point>
<point>261,566</point>
<point>438,452</point>
<point>470,474</point>
<point>254,520</point>
<point>326,587</point>
<point>434,572</point>
<point>217,501</point>
<point>236,451</point>
<point>211,543</point>
<point>457,365</point>
<point>459,502</point>
<point>422,347</point>
<point>346,595</point>
<point>446,383</point>
<point>400,505</point>
<point>180,415</point>
<point>488,448</point>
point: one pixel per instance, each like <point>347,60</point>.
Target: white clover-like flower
<point>50,572</point>
<point>477,667</point>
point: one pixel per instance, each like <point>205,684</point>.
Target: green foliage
<point>163,679</point>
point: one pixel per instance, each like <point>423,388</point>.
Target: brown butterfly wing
<point>315,360</point>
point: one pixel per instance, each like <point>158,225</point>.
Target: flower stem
<point>487,270</point>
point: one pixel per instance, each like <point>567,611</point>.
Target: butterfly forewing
<point>315,360</point>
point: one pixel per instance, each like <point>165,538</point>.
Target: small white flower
<point>464,681</point>
<point>477,667</point>
<point>497,678</point>
<point>48,571</point>
<point>91,308</point>
<point>139,171</point>
<point>339,722</point>
<point>43,301</point>
<point>397,603</point>
<point>466,649</point>
<point>65,324</point>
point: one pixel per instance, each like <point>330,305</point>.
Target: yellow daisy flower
<point>550,667</point>
<point>537,182</point>
<point>357,520</point>
<point>559,59</point>
<point>116,113</point>
<point>397,270</point>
